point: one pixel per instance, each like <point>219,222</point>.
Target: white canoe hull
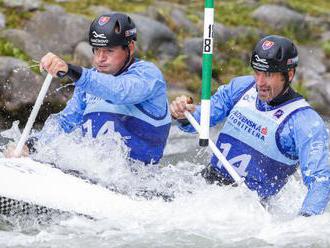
<point>24,181</point>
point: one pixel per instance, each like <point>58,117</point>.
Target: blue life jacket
<point>245,137</point>
<point>144,134</point>
<point>302,134</point>
<point>133,103</point>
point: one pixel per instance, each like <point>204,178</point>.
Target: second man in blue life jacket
<point>269,130</point>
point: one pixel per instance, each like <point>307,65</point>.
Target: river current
<point>193,214</point>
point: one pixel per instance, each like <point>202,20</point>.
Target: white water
<point>201,215</point>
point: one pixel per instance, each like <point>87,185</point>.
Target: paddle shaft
<point>216,151</point>
<point>33,114</point>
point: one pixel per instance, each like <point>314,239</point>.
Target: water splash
<point>13,134</point>
<point>24,68</point>
<point>104,160</point>
<point>199,215</point>
<point>63,87</point>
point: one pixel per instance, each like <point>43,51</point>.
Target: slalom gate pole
<point>33,114</point>
<point>206,72</point>
<point>239,180</point>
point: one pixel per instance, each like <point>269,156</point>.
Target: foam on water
<point>199,215</point>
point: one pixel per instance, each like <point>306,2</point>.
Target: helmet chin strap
<point>285,87</point>
<point>128,61</point>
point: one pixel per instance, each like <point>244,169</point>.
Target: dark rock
<point>193,50</point>
<point>59,32</point>
<point>155,37</point>
<point>224,33</point>
<point>244,32</point>
<point>318,23</point>
<point>182,22</point>
<point>325,36</point>
<point>99,10</point>
<point>175,91</point>
<point>310,63</point>
<point>280,17</point>
<point>19,84</point>
<point>2,21</point>
<point>325,91</point>
<point>83,54</point>
<point>25,5</point>
<point>65,1</point>
<point>156,14</point>
<point>26,42</point>
<point>54,8</point>
<point>312,72</point>
<point>221,33</point>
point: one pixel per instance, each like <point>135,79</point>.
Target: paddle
<point>216,151</point>
<point>33,115</point>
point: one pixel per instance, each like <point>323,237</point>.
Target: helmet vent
<point>279,55</point>
<point>117,27</point>
<point>129,20</point>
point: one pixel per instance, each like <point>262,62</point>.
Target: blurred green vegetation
<point>14,18</point>
<point>326,48</point>
<point>314,8</point>
<point>299,87</point>
<point>8,49</point>
<point>177,71</point>
<point>230,59</point>
<point>117,5</point>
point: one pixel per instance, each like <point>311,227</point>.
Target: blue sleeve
<point>223,101</point>
<point>311,146</point>
<point>72,115</point>
<point>141,82</point>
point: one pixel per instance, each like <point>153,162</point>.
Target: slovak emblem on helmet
<point>103,20</point>
<point>267,44</point>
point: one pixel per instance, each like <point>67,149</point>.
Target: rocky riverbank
<point>169,34</point>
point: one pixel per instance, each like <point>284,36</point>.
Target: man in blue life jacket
<point>120,93</point>
<point>269,128</point>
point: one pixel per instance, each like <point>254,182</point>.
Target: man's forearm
<point>317,198</point>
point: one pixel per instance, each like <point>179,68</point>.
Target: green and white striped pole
<point>207,72</point>
<point>204,126</point>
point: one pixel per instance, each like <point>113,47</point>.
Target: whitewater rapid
<point>198,214</point>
